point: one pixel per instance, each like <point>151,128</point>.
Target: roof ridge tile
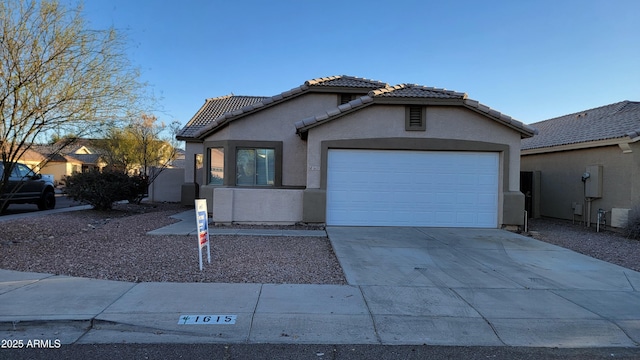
<point>348,78</point>
<point>321,80</point>
<point>389,91</point>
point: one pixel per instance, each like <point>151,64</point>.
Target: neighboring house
<point>582,162</point>
<point>33,159</point>
<point>343,150</point>
<point>60,162</point>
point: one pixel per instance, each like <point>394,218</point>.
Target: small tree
<point>118,149</point>
<point>57,76</point>
<point>139,146</point>
<point>152,149</point>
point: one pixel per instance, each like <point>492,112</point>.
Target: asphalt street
<point>62,202</point>
<point>317,352</point>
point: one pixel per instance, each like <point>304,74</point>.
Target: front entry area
<point>412,188</point>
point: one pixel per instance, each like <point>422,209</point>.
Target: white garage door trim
<point>412,188</point>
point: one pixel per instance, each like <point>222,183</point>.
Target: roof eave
<point>525,131</point>
<point>307,87</point>
<point>579,146</point>
<point>228,117</point>
<point>188,138</point>
<point>303,126</point>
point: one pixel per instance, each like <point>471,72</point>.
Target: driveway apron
<point>525,292</point>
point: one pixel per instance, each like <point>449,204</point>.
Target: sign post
<point>202,220</point>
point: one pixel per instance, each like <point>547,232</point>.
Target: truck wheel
<point>48,201</point>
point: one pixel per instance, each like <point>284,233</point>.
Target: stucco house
<point>343,150</point>
<point>584,162</point>
<point>78,156</point>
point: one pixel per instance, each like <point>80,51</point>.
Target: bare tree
<point>58,76</point>
<point>139,146</point>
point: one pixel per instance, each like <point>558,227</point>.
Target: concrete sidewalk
<point>77,310</point>
<point>461,287</point>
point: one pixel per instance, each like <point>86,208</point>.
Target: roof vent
<point>581,115</point>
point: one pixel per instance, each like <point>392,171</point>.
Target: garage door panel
<point>487,180</point>
<point>487,218</point>
<point>466,199</point>
<point>444,198</point>
<point>486,199</point>
<point>417,188</point>
<point>467,218</point>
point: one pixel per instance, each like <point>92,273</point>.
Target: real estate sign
<point>202,220</point>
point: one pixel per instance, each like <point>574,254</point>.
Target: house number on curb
<point>207,319</point>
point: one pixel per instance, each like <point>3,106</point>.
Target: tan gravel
<point>114,246</point>
<point>607,245</point>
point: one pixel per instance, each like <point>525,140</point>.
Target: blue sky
<point>530,59</point>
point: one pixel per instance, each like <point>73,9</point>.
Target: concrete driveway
<point>491,282</point>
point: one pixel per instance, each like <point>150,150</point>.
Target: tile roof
<point>618,120</point>
<point>57,153</point>
<point>202,128</point>
<point>85,158</point>
<point>413,91</point>
<point>214,108</point>
<point>346,81</point>
<point>217,111</point>
<point>417,91</point>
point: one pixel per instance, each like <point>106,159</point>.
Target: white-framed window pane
<point>216,166</point>
<point>255,167</point>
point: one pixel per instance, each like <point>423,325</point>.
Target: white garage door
<point>412,188</point>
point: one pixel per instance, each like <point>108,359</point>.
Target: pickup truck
<point>27,187</point>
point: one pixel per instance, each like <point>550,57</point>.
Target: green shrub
<point>139,186</point>
<point>632,228</point>
<point>102,189</point>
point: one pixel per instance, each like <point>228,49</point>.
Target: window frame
<point>255,162</point>
<point>230,153</point>
<point>209,167</point>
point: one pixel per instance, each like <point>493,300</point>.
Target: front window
<point>216,175</point>
<point>255,167</point>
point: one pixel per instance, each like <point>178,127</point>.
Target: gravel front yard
<point>605,245</point>
<point>114,246</point>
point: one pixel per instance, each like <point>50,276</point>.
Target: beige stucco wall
<point>302,160</point>
<point>166,187</point>
<point>257,206</point>
<point>442,123</point>
<point>60,170</point>
<point>385,121</point>
<point>561,184</point>
<point>277,124</point>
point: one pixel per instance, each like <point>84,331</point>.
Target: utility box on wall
<point>593,185</point>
